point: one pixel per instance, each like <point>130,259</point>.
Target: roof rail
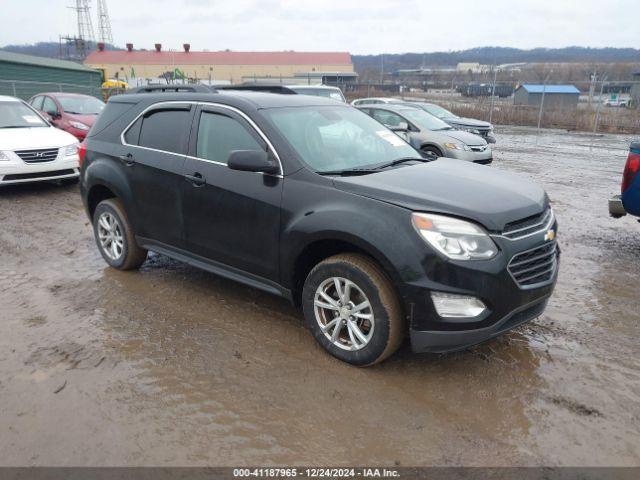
<point>260,87</point>
<point>152,88</point>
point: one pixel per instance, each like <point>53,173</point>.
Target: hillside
<point>496,56</point>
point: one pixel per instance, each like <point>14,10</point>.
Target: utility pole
<point>493,91</point>
<point>104,24</point>
<point>544,88</point>
<point>381,68</point>
<point>86,37</point>
<point>597,120</point>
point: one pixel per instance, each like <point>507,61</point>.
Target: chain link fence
<point>27,89</point>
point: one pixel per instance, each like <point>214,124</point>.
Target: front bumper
<point>616,208</point>
<point>483,157</point>
<point>17,171</point>
<point>438,341</point>
<point>508,302</point>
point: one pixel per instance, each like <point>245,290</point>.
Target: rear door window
<point>388,118</point>
<point>219,135</point>
<point>165,129</point>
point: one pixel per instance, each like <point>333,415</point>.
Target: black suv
<point>319,203</point>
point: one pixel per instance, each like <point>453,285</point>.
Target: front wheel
<point>353,310</point>
<point>431,149</point>
<point>114,236</point>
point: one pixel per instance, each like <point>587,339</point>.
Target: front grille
<point>535,266</point>
<point>28,176</point>
<point>38,156</point>
<point>527,226</point>
<point>478,148</point>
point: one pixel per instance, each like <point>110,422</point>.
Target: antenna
<point>104,24</point>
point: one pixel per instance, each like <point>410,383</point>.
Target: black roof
<point>236,98</point>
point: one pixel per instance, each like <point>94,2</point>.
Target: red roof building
<point>221,65</point>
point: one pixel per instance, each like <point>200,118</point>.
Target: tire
<point>129,255</point>
<point>432,149</point>
<point>384,332</point>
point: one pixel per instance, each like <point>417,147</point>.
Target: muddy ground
<point>174,366</point>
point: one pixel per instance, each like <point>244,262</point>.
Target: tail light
<point>631,169</point>
<point>82,151</point>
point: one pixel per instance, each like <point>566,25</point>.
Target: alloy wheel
<point>110,236</point>
<point>344,313</point>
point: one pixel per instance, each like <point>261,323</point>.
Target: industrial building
<point>222,66</point>
<point>555,96</point>
<point>25,75</point>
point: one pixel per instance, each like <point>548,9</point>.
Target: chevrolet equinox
<point>319,203</point>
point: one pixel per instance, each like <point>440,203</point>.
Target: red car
<point>71,112</point>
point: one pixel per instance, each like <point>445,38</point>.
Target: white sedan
<point>31,149</point>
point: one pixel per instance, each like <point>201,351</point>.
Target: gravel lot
<point>174,366</point>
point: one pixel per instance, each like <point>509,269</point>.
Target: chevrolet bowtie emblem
<point>550,235</point>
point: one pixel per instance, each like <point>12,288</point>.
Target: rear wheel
<point>353,310</point>
<point>115,237</point>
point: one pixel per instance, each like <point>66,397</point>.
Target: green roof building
<point>26,75</point>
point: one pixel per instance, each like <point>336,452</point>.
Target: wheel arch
<point>103,181</point>
<point>328,245</point>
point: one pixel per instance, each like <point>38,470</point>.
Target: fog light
<point>450,305</point>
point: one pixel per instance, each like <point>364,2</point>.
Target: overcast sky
<point>360,27</point>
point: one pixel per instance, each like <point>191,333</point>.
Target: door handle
<point>127,159</point>
<point>197,180</point>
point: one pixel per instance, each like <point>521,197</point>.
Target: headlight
<point>457,146</point>
<point>71,150</point>
<point>454,238</point>
<point>3,157</point>
<point>473,130</point>
<point>79,125</point>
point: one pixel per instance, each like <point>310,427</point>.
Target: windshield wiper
<point>348,171</point>
<point>375,168</point>
<point>398,161</point>
<point>17,126</point>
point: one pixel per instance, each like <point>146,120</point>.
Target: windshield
<point>329,138</point>
<point>18,115</point>
<point>81,105</point>
<point>438,111</point>
<point>335,94</point>
<point>423,119</point>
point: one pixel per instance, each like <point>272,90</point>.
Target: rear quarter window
<point>112,112</point>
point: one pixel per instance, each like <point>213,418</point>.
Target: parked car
<point>31,149</point>
<point>629,200</point>
<point>326,91</point>
<point>616,102</point>
<point>317,202</point>
<point>471,125</point>
<point>427,133</point>
<point>71,112</point>
<point>376,101</point>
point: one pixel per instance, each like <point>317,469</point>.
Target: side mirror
<point>252,161</point>
<point>53,114</point>
<point>401,127</point>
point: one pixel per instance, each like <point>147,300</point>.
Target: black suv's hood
<point>489,196</point>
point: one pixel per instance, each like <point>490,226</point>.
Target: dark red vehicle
<point>71,112</point>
